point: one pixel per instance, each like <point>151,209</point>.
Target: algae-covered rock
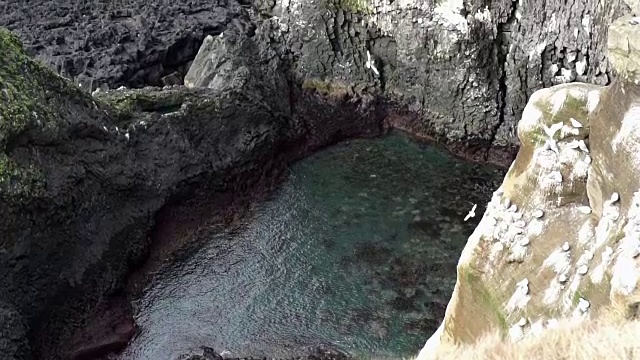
<point>30,97</point>
<point>561,236</point>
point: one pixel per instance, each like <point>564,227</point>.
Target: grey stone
<point>624,49</point>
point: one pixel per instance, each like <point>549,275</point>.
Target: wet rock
<point>210,354</point>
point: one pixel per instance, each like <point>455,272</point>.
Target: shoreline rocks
<point>319,353</point>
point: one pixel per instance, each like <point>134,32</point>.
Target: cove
<point>355,251</point>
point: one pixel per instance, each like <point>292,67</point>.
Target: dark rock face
<point>458,71</point>
<point>81,179</point>
<point>13,333</point>
<point>132,43</point>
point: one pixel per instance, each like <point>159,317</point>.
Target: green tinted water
<point>356,250</point>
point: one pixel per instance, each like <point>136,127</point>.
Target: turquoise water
<point>355,251</point>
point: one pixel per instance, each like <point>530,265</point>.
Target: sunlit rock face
<point>561,236</point>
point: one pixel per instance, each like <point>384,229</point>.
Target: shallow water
<point>356,250</point>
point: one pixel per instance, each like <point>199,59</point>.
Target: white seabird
<point>574,144</point>
<point>584,209</point>
<point>471,213</point>
<point>575,123</point>
<point>370,64</point>
<point>614,198</point>
<point>551,143</point>
<point>522,322</point>
<point>553,129</point>
<point>583,146</point>
<point>583,305</point>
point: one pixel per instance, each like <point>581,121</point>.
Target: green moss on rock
<point>30,96</point>
<point>127,103</point>
<point>478,300</point>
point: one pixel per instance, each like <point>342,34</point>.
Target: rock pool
<point>356,251</point>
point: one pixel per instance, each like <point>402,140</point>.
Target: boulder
<point>208,64</point>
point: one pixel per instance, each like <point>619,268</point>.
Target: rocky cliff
<point>560,237</point>
<point>459,71</point>
<point>82,178</point>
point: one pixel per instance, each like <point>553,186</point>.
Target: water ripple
<point>357,250</point>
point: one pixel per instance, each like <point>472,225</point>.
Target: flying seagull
<point>471,213</point>
<point>370,64</point>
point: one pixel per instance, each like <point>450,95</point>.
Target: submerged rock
<point>319,353</point>
<point>577,261</point>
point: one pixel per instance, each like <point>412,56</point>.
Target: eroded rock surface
<point>560,237</point>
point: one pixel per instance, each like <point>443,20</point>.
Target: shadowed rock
<point>82,178</point>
